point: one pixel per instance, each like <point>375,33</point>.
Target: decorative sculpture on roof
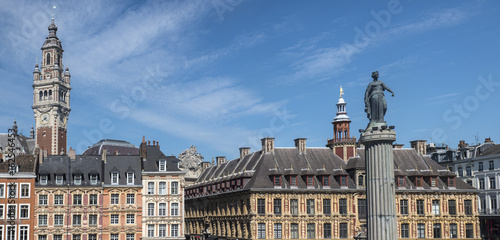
<point>375,104</point>
<point>341,91</point>
<point>191,161</point>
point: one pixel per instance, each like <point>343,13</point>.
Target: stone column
<point>380,188</point>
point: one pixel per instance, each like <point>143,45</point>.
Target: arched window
<point>47,60</point>
<point>361,180</point>
<point>45,94</point>
<point>50,94</point>
<point>40,95</point>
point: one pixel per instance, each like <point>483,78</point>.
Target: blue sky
<point>222,74</point>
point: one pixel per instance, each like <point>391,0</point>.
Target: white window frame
<point>115,178</point>
<point>46,200</point>
<point>7,232</point>
<point>44,179</point>
<point>151,191</point>
<point>130,218</point>
<point>130,236</point>
<point>7,211</point>
<point>93,179</point>
<point>2,190</point>
<point>151,211</point>
<point>114,236</point>
<point>77,179</point>
<point>96,199</point>
<point>174,186</point>
<point>93,222</point>
<point>174,211</point>
<point>162,188</point>
<point>151,230</point>
<point>162,209</point>
<point>20,210</point>
<point>58,222</point>
<point>7,194</point>
<point>162,165</point>
<point>1,232</point>
<point>174,230</point>
<point>21,190</point>
<point>2,211</point>
<point>40,223</point>
<point>130,198</point>
<point>115,199</point>
<point>56,202</point>
<point>59,179</point>
<point>77,217</point>
<point>162,230</point>
<point>115,219</point>
<point>130,178</point>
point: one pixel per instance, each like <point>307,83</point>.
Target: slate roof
<point>62,165</point>
<point>122,165</point>
<point>113,147</point>
<point>24,145</point>
<point>25,162</point>
<point>153,155</point>
<point>495,149</point>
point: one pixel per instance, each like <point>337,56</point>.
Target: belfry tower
<point>51,88</point>
<point>342,144</point>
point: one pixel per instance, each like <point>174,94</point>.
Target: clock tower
<point>51,88</point>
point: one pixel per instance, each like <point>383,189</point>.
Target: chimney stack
<point>104,154</point>
<point>267,145</point>
<point>300,144</point>
<point>40,156</point>
<point>220,160</point>
<point>149,143</point>
<point>244,151</point>
<point>72,153</point>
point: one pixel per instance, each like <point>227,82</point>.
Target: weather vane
<point>53,9</point>
<point>341,91</point>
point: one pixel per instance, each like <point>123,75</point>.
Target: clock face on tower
<point>44,119</point>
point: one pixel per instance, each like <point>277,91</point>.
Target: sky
<point>222,74</point>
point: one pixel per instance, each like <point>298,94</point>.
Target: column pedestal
<point>380,185</point>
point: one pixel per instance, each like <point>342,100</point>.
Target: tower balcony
<point>341,140</point>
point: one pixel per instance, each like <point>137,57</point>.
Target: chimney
<point>149,143</point>
<point>45,153</point>
<point>398,145</point>
<point>267,145</point>
<point>462,144</point>
<point>143,149</point>
<point>104,154</point>
<point>72,153</point>
<point>487,140</point>
<point>300,144</point>
<point>220,160</point>
<point>154,143</point>
<point>420,146</point>
<point>158,144</point>
<point>40,156</point>
<point>244,151</point>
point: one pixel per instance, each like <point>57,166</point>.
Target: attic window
<point>43,179</point>
<point>277,181</point>
<point>326,181</point>
<point>114,178</point>
<point>93,179</point>
<point>343,181</point>
<point>433,182</point>
<point>293,181</point>
<point>130,178</point>
<point>77,179</point>
<point>401,182</point>
<point>310,181</point>
<point>418,182</point>
<point>451,182</point>
<point>59,179</point>
<point>162,165</point>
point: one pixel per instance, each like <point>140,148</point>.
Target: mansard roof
<point>154,155</point>
<point>115,147</point>
<point>63,165</point>
<point>122,165</point>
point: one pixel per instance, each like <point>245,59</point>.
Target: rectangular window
<point>310,181</point>
<point>294,206</point>
<point>174,231</point>
<point>77,237</point>
<point>130,178</point>
<point>11,211</point>
<point>433,182</point>
<point>493,184</point>
<point>174,211</point>
<point>114,178</point>
<point>162,165</point>
<point>468,207</point>
<point>162,209</point>
<point>343,181</point>
<point>343,206</point>
<point>58,220</point>
<point>435,207</point>
<point>311,231</point>
<point>437,230</point>
<point>42,220</point>
<point>115,198</point>
<point>151,209</point>
<point>151,188</point>
<point>452,207</point>
<point>261,206</point>
<point>421,230</point>
<point>277,181</point>
<point>92,219</point>
<point>420,207</point>
<point>11,233</point>
<point>401,182</point>
<point>261,230</point>
<point>469,230</point>
<point>24,211</point>
<point>327,206</point>
<point>77,199</point>
<point>481,183</point>
<point>130,198</point>
<point>130,236</point>
<point>460,172</point>
<point>130,218</point>
<point>42,199</point>
<point>493,203</point>
<point>362,211</point>
<point>277,231</point>
<point>41,237</point>
<point>114,218</point>
<point>480,167</point>
<point>327,230</point>
<point>77,219</point>
<point>151,230</point>
<point>277,206</point>
<point>174,188</point>
<point>162,230</point>
<point>59,179</point>
<point>293,181</point>
<point>343,230</point>
<point>453,230</point>
<point>91,237</point>
<point>93,199</point>
<point>451,182</point>
<point>468,170</point>
<point>310,206</point>
<point>77,179</point>
<point>418,182</point>
<point>326,181</point>
<point>492,165</point>
<point>162,188</point>
<point>25,190</point>
<point>405,230</point>
<point>113,236</point>
<point>93,179</point>
<point>294,230</point>
<point>23,232</point>
<point>403,206</point>
<point>2,190</point>
<point>58,199</point>
<point>2,211</point>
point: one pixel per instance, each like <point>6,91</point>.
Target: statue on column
<point>375,104</point>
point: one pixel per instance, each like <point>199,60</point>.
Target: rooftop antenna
<point>476,138</point>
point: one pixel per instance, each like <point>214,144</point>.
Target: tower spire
<point>342,144</point>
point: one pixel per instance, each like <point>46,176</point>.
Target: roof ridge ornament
<point>341,92</point>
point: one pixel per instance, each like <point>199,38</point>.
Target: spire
<point>341,110</point>
<point>32,132</point>
<point>36,66</point>
<point>14,127</point>
<point>52,39</point>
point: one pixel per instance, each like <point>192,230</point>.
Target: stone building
<point>162,194</point>
<point>312,193</point>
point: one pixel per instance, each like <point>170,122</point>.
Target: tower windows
<point>40,96</point>
<point>50,94</point>
<point>47,59</point>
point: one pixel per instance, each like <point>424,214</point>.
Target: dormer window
<point>59,179</point>
<point>114,178</point>
<point>310,181</point>
<point>326,181</point>
<point>401,182</point>
<point>277,181</point>
<point>433,182</point>
<point>44,179</point>
<point>162,165</point>
<point>77,179</point>
<point>451,182</point>
<point>343,181</point>
<point>418,182</point>
<point>293,181</point>
<point>130,178</point>
<point>93,179</point>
